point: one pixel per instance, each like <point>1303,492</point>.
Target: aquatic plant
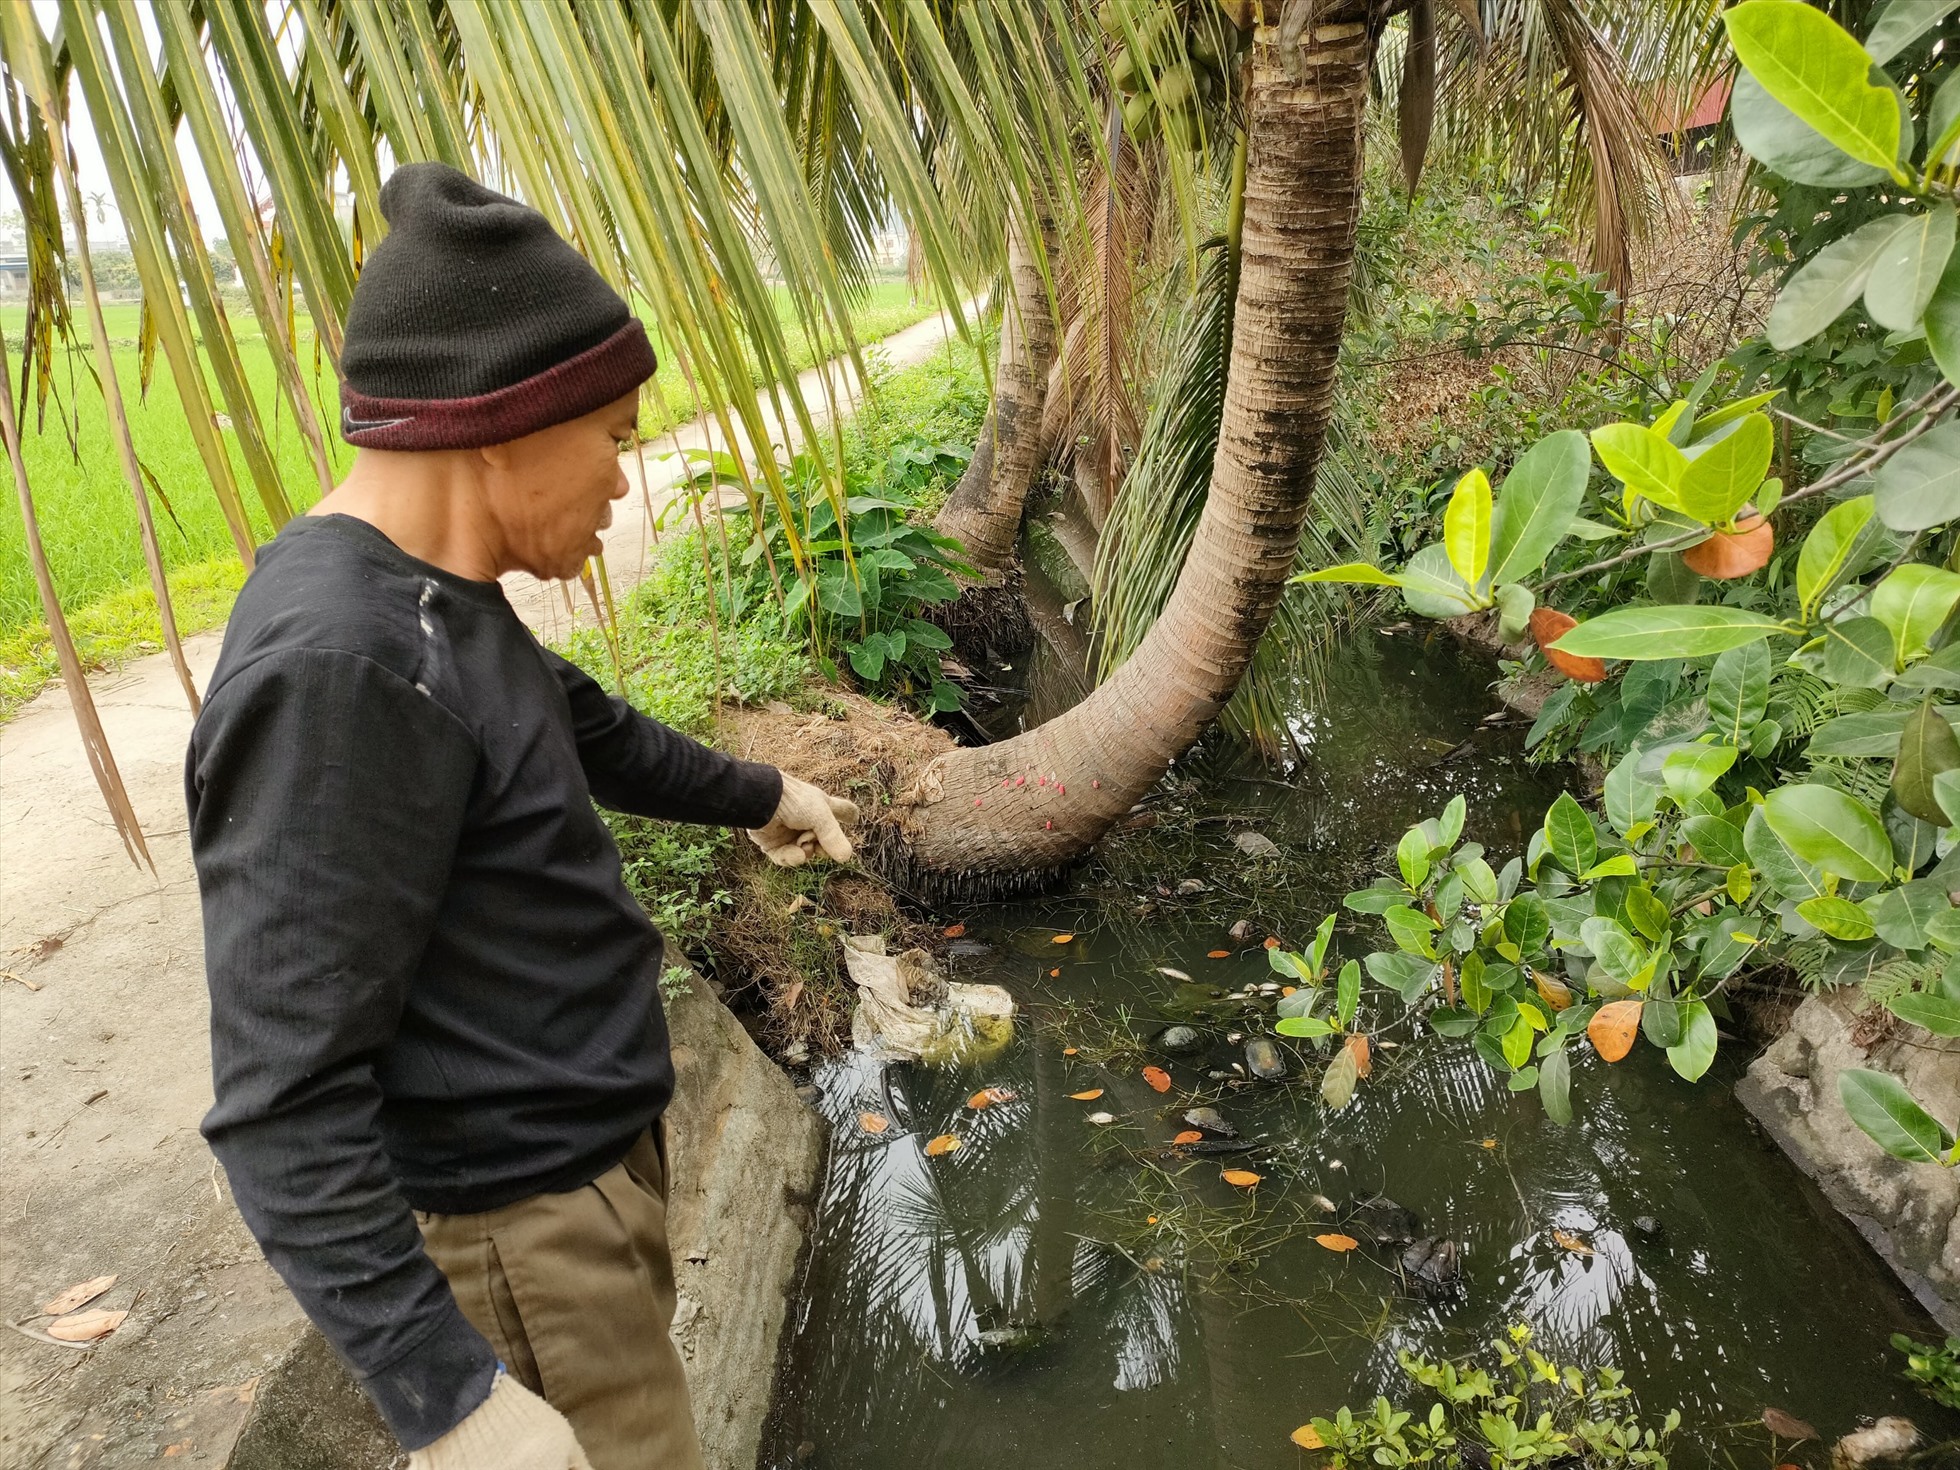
<point>1528,1410</point>
<point>1935,1369</point>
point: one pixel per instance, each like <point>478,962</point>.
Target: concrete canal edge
<point>1909,1212</point>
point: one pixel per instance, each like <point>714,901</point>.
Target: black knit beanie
<point>474,323</point>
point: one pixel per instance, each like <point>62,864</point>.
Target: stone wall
<point>1909,1212</point>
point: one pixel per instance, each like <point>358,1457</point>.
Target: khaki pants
<point>576,1293</point>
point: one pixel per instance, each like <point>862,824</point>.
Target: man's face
<point>551,492</point>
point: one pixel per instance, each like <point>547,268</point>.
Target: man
<point>437,1044</point>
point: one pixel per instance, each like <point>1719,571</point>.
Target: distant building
<point>13,273</point>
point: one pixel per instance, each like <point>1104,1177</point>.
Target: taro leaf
<point>1879,1103</point>
<point>1831,549</point>
<point>1926,748</point>
<point>1868,733</point>
<point>1647,913</point>
<point>1858,653</point>
<point>1337,1086</point>
<point>1536,505</point>
<point>1694,1053</point>
<point>1715,840</point>
<point>1668,632</point>
<point>1938,1014</point>
<point>1913,601</point>
<point>1619,955</point>
<point>1569,835</point>
<point>1823,826</point>
<point>1431,586</point>
<point>839,594</point>
<point>1919,487</point>
<point>1838,917</point>
<point>1909,268</point>
<point>1786,145</point>
<point>1898,25</point>
<point>1720,480</point>
<point>1466,526</point>
<point>1407,975</point>
<point>1817,69</point>
<point>1830,281</point>
<point>1555,1086</point>
<point>1642,460</point>
<point>1781,868</point>
<point>1692,769</point>
<point>1738,691</point>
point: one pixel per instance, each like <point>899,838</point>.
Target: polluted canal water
<point>1065,1289</point>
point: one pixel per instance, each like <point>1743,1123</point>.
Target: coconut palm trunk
<point>998,816</point>
<point>984,510</point>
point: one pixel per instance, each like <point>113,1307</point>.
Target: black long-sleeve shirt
<point>430,988</point>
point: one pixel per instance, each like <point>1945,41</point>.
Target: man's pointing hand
<point>807,818</point>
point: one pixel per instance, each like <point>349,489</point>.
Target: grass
<point>88,521</point>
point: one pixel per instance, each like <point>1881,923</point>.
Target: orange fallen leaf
<point>1218,954</point>
<point>944,1144</point>
<point>78,1295</point>
<point>1308,1438</point>
<point>1053,973</point>
<point>1090,1096</point>
<point>987,1096</point>
<point>1572,1242</point>
<point>1271,942</point>
<point>1288,989</point>
<point>1061,939</point>
<point>1337,1242</point>
<point>1488,1143</point>
<point>873,1122</point>
<point>1158,1078</point>
<point>1613,1027</point>
<point>1189,1135</point>
<point>1069,1051</point>
<point>1242,1178</point>
<point>85,1326</point>
<point>1357,1047</point>
<point>953,931</point>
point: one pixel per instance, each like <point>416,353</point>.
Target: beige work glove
<point>513,1429</point>
<point>807,818</point>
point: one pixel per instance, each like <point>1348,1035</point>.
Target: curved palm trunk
<point>984,510</point>
<point>992,816</point>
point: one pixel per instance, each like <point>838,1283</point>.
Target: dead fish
<point>1209,1120</point>
<point>1178,975</point>
<point>1322,1203</point>
<point>1102,1120</point>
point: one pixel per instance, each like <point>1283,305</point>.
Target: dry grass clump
<point>776,951</point>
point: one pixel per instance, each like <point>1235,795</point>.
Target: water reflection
<point>1055,1293</point>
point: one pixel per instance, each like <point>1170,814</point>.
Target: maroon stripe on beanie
<point>564,391</point>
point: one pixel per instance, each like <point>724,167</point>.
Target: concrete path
<point>104,1063</point>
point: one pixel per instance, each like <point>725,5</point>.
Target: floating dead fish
<point>1102,1120</point>
<point>1210,1120</point>
<point>1177,975</point>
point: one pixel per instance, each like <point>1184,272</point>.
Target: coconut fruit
<point>1729,554</point>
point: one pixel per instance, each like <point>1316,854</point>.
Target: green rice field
<point>88,520</point>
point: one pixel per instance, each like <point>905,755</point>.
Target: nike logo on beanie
<point>349,425</point>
